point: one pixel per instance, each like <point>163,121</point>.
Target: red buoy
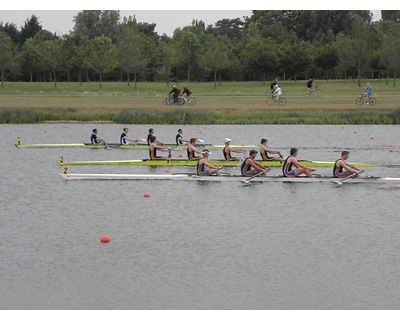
<point>105,239</point>
<point>167,170</point>
<point>146,195</point>
<point>180,155</point>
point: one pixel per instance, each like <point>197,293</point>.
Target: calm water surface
<point>195,245</point>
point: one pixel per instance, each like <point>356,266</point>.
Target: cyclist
<point>310,85</point>
<point>175,93</point>
<point>367,92</point>
<point>277,93</point>
<point>273,85</point>
<point>187,92</point>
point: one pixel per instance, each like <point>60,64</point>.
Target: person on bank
<point>228,150</point>
<point>367,93</point>
<point>204,168</point>
<point>155,147</point>
<point>175,93</point>
<point>250,166</point>
<point>342,168</point>
<point>265,151</point>
<point>124,139</point>
<point>179,138</point>
<point>94,139</point>
<point>299,168</point>
<point>192,150</point>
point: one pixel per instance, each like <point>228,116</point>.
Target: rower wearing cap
<point>264,150</point>
<point>250,166</point>
<point>300,168</point>
<point>154,146</point>
<point>192,150</point>
<point>204,168</point>
<point>342,168</point>
<point>228,149</point>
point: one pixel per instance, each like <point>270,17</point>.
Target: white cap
<point>227,140</point>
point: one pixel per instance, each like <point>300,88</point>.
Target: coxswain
<point>154,147</point>
<point>204,168</point>
<point>179,139</point>
<point>123,140</point>
<point>192,150</point>
<point>299,168</point>
<point>264,150</point>
<point>250,166</point>
<point>151,133</point>
<point>94,139</point>
<point>342,168</point>
<point>228,150</point>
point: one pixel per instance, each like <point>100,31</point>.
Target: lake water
<point>195,245</point>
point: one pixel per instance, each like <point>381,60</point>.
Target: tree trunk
<point>2,78</point>
<point>394,78</point>
<point>263,78</point>
<point>387,77</point>
<point>55,79</point>
<point>188,77</point>
<point>134,79</point>
<point>80,76</point>
<point>284,75</point>
<point>31,76</point>
<point>87,76</point>
<point>359,76</point>
<point>101,80</point>
<point>215,79</point>
<point>128,78</point>
<point>219,74</point>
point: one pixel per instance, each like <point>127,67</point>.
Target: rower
<point>204,168</point>
<point>250,167</point>
<point>192,150</point>
<point>342,168</point>
<point>264,150</point>
<point>300,168</point>
<point>154,146</point>
<point>124,140</point>
<point>228,149</point>
<point>179,139</point>
<point>94,139</point>
<point>151,134</point>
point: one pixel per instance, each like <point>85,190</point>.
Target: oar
<point>256,175</point>
<point>340,182</point>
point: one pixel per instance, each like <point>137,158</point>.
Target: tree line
<point>283,44</point>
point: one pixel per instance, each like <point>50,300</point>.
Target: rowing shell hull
<point>185,177</point>
<point>119,146</point>
<point>192,163</point>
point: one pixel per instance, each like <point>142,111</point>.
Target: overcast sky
<point>61,21</point>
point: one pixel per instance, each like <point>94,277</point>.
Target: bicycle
<point>191,101</point>
<point>316,92</point>
<point>360,101</point>
<point>170,101</point>
<point>280,101</point>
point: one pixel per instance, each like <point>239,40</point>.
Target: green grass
<point>230,103</point>
<point>159,89</point>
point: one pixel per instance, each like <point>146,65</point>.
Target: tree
<point>6,55</point>
<point>327,59</point>
<point>52,55</point>
<point>391,48</point>
<point>12,30</point>
<point>29,30</point>
<point>215,57</point>
<point>392,15</point>
<point>260,56</point>
<point>102,56</point>
<point>296,59</point>
<point>231,29</point>
<point>132,55</point>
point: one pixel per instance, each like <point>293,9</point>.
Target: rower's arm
<point>161,148</point>
<point>299,164</point>
<point>272,151</point>
<point>257,165</point>
<point>209,165</point>
<point>236,150</point>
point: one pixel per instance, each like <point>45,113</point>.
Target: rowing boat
<point>119,146</point>
<point>191,163</point>
<point>194,177</point>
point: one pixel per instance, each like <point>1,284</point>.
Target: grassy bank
<point>391,117</point>
<point>230,103</point>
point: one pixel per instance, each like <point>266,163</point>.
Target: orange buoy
<point>180,155</point>
<point>105,239</point>
<point>146,195</point>
<point>167,170</point>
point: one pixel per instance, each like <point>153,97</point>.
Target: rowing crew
<point>123,140</point>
